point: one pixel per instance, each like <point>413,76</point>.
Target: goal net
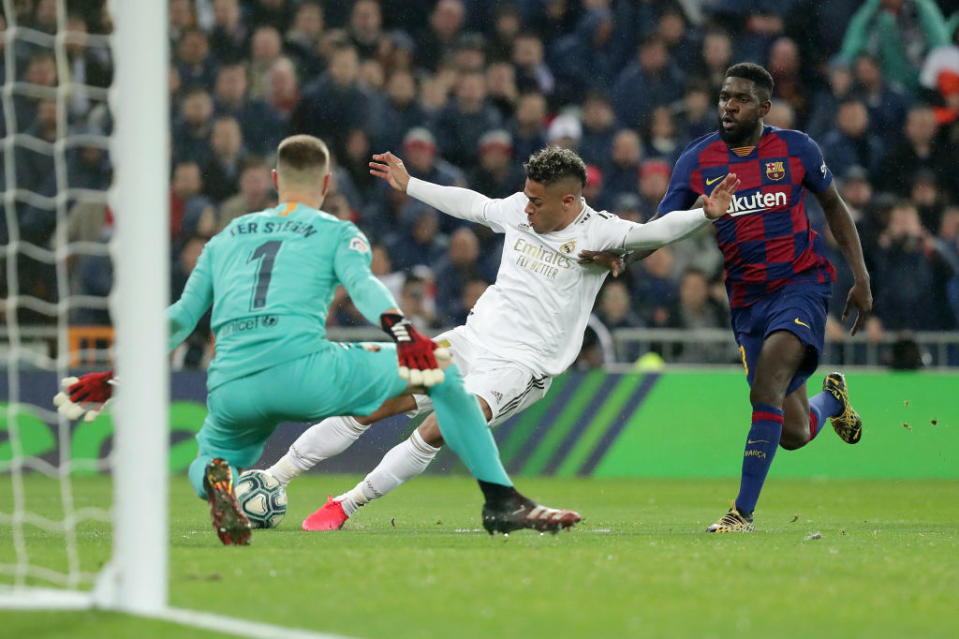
<point>83,273</point>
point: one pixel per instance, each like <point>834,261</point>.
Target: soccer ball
<point>262,498</point>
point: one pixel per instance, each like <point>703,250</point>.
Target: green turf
<point>886,565</point>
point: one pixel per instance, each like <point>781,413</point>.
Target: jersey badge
<point>359,245</point>
<point>775,170</point>
<point>568,248</point>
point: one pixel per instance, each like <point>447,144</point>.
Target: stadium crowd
<point>464,91</point>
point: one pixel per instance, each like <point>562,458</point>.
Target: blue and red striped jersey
<point>765,235</point>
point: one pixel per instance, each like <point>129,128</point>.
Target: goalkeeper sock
<point>198,471</point>
<point>464,429</point>
<point>822,406</point>
<point>320,441</point>
<point>402,463</point>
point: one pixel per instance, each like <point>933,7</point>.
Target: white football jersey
<point>536,311</point>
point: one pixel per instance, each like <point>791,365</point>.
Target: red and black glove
<point>84,396</point>
<point>416,353</point>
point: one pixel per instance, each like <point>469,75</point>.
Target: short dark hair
<point>757,74</point>
<point>302,153</point>
<point>552,164</point>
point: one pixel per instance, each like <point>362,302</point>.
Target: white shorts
<point>506,386</point>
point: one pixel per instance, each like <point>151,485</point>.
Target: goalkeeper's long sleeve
<point>196,299</point>
<point>352,265</point>
<point>665,230</point>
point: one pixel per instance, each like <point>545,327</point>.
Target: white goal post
<point>136,578</point>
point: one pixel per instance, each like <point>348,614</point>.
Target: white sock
<point>402,463</point>
<point>320,441</point>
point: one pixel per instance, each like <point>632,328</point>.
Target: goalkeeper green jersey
<point>270,277</point>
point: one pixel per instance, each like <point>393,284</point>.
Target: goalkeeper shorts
<point>342,379</point>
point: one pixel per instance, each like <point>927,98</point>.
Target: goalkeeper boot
<point>330,516</point>
<point>733,521</point>
<point>517,512</point>
<point>847,424</point>
<point>231,525</point>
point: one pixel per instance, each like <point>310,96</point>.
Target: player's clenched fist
<point>417,353</point>
<point>84,396</point>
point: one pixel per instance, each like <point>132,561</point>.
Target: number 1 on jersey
<point>264,273</point>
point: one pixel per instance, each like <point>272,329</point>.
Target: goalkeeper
<point>270,277</point>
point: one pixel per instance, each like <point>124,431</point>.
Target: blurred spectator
<point>274,13</point>
<point>599,126</point>
<point>419,147</point>
<point>696,310</point>
<point>856,191</point>
<point>417,304</point>
<point>715,58</point>
<point>912,274</point>
<point>470,53</point>
<point>261,125</point>
<point>382,268</point>
<point>256,192</point>
<point>460,125</point>
<point>697,116</point>
<point>613,310</point>
<point>532,73</point>
<point>366,28</point>
<point>439,38</point>
<point>41,70</point>
<point>284,91</point>
<point>302,41</point>
<point>221,174</point>
<point>593,189</point>
<point>852,143</point>
<point>87,67</point>
<point>681,41</point>
<point>654,286</point>
<point>585,58</point>
<point>917,150</point>
<point>191,130</point>
<point>780,115</point>
<point>497,176</point>
<point>229,39</point>
<point>398,113</point>
<point>628,207</point>
<point>185,184</point>
<point>648,82</point>
<point>506,26</point>
<point>415,242</point>
<point>453,272</point>
<point>334,103</point>
<point>501,89</point>
<point>785,66</point>
<point>355,161</point>
<point>622,176</point>
<point>266,47</point>
<point>653,182</point>
<point>527,128</point>
<point>181,17</point>
<point>195,64</point>
<point>887,106</point>
<point>926,196</point>
<point>899,33</point>
<point>565,132</point>
<point>825,103</point>
<point>661,138</point>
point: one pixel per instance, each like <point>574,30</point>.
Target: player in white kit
<point>524,330</point>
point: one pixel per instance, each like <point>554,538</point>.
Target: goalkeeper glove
<point>417,354</point>
<point>84,396</point>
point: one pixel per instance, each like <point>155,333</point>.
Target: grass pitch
<point>829,559</point>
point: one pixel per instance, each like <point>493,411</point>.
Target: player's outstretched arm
<point>680,224</point>
<point>452,200</point>
<point>844,230</point>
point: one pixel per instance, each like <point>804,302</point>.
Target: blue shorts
<point>797,308</point>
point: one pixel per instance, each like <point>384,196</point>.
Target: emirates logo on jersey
<point>775,170</point>
<point>568,248</point>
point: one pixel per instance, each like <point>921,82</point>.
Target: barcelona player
<point>777,277</point>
